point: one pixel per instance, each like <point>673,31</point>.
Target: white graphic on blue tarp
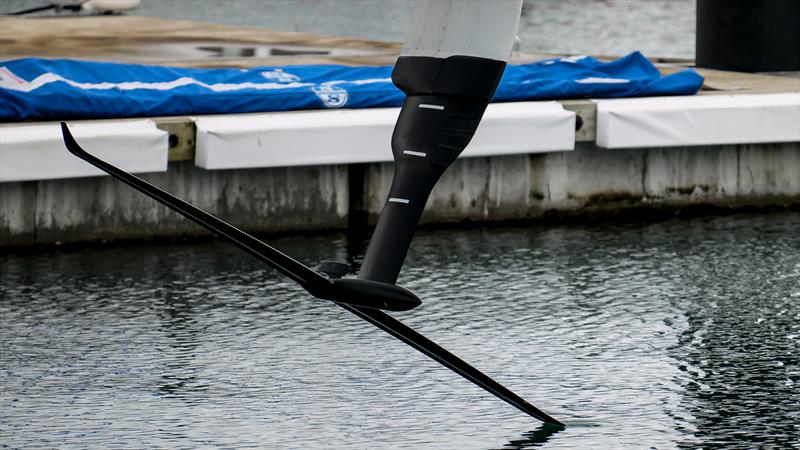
<point>280,76</point>
<point>9,80</point>
<point>598,80</point>
<point>331,96</point>
<point>569,59</point>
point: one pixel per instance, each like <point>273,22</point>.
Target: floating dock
<point>734,145</point>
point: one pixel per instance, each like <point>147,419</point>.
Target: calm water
<point>679,334</point>
<point>611,27</point>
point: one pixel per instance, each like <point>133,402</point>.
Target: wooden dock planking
<point>725,82</point>
<point>146,40</point>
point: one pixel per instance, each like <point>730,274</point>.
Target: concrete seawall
<point>590,180</point>
<point>580,183</point>
<point>102,208</point>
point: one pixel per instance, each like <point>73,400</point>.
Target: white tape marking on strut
<point>409,152</point>
<point>428,106</point>
<point>398,200</point>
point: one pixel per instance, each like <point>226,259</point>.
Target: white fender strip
<point>364,135</point>
<point>698,120</point>
<point>37,152</point>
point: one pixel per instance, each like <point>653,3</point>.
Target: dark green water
<point>679,334</point>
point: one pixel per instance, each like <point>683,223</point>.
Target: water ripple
<point>678,334</point>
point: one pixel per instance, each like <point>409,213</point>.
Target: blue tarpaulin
<point>34,88</point>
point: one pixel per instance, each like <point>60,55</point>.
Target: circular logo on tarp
<point>331,96</point>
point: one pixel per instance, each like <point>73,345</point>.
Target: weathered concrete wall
<point>101,208</point>
<point>591,179</point>
<point>581,182</point>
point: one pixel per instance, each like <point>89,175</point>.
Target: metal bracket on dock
<point>182,137</point>
<point>586,120</point>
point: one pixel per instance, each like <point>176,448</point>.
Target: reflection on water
<point>534,438</point>
<point>217,50</point>
<point>676,334</point>
<point>597,27</point>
